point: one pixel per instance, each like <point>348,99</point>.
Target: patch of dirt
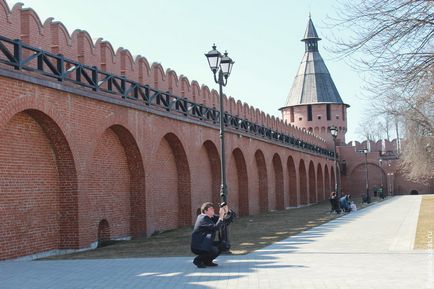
<point>246,234</point>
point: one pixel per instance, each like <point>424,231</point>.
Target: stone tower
<point>313,102</point>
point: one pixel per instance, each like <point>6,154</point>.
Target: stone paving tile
<point>366,250</point>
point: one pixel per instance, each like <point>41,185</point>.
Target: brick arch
<point>357,177</point>
<point>183,179</point>
<point>292,178</point>
<point>214,160</point>
<point>313,198</point>
<point>303,183</point>
<point>109,187</point>
<point>137,181</point>
<point>320,183</point>
<point>103,232</point>
<point>278,177</point>
<point>362,164</point>
<point>242,177</point>
<point>41,174</point>
<point>262,181</point>
<point>327,189</point>
<point>332,179</point>
<point>120,126</point>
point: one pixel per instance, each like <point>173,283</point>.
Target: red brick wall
<point>234,180</point>
<point>26,25</point>
<point>387,172</point>
<point>320,184</point>
<point>139,171</point>
<point>238,181</point>
<point>327,184</point>
<point>312,184</point>
<point>208,185</point>
<point>279,202</point>
<point>165,187</point>
<point>292,182</point>
<point>10,22</point>
<point>319,124</point>
<point>109,187</point>
<point>29,189</point>
<point>303,183</point>
<point>240,196</point>
<point>92,166</point>
<point>262,181</point>
<point>75,160</point>
<point>402,186</point>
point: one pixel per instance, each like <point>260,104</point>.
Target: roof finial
<point>309,14</point>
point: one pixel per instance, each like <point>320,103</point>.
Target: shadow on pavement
<point>167,272</point>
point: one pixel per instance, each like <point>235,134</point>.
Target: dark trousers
<point>335,206</point>
<point>206,257</point>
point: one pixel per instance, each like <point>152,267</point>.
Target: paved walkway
<point>366,249</point>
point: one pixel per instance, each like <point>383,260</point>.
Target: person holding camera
<point>202,239</point>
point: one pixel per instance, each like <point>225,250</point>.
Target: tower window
<point>309,112</point>
<point>291,112</point>
<point>328,111</point>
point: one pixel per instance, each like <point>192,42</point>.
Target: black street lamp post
<point>334,133</point>
<point>390,179</point>
<point>380,161</point>
<point>221,67</point>
<point>368,198</point>
<point>381,190</point>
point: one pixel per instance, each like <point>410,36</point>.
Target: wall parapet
<point>382,146</point>
<point>25,24</point>
<point>25,57</point>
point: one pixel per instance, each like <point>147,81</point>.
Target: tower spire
<point>313,83</point>
<point>310,37</point>
<point>313,102</point>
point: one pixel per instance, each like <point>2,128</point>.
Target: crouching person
<point>204,232</point>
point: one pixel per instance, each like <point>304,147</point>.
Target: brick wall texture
<point>68,162</point>
<point>77,166</point>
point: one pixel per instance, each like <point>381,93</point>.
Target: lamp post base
<point>368,199</point>
<point>225,245</point>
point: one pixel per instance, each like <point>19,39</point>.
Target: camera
<point>229,217</point>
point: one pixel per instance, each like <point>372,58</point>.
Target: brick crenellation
<point>25,24</point>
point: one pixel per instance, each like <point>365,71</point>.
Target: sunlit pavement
<point>367,249</point>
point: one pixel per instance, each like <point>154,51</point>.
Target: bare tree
<point>418,147</point>
<point>393,40</point>
<point>377,125</point>
<point>394,37</point>
<point>371,128</point>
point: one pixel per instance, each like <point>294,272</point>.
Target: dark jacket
<point>344,203</point>
<point>334,203</point>
<point>204,232</point>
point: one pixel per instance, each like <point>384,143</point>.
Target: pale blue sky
<point>262,37</point>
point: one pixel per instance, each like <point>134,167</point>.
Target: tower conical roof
<point>313,83</point>
<point>310,32</point>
